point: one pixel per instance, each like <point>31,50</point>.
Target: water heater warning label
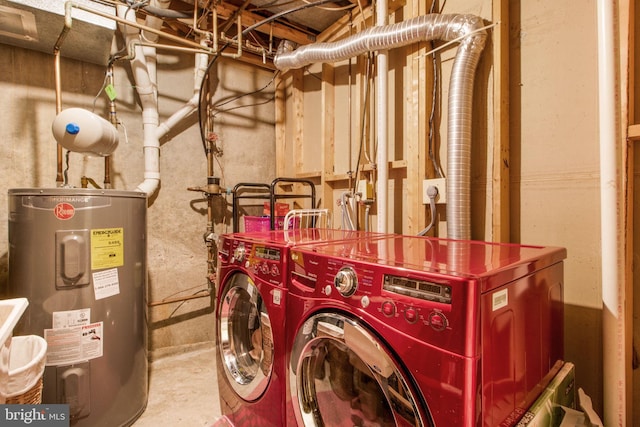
<point>107,248</point>
<point>73,344</point>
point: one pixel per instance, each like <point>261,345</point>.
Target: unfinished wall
<point>554,161</point>
<point>176,218</point>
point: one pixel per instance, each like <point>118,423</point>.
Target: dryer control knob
<point>346,281</point>
<point>239,253</point>
<point>388,308</point>
<point>411,315</point>
<point>438,321</point>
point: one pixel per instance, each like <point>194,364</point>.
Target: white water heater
<point>79,257</point>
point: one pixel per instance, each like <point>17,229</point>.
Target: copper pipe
<point>107,172</point>
<point>59,177</point>
<point>58,83</point>
<point>136,25</point>
<point>113,118</point>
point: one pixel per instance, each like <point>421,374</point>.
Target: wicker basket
<point>26,366</point>
<point>33,396</point>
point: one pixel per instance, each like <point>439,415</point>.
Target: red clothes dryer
<point>251,299</point>
<point>414,331</point>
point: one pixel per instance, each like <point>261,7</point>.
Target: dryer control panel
<point>422,289</point>
<point>263,261</point>
<point>424,305</point>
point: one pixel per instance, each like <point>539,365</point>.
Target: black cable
<point>362,123</point>
<point>205,80</point>
<point>219,53</point>
<point>284,12</point>
<point>248,93</point>
<point>434,100</point>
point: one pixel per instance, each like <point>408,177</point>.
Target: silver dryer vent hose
<point>469,29</point>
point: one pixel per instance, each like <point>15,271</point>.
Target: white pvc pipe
<point>382,187</point>
<point>613,297</point>
<point>201,62</point>
<point>149,100</point>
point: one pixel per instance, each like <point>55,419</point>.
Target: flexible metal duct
<point>469,30</point>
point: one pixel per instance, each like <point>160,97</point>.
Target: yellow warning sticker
<point>107,248</point>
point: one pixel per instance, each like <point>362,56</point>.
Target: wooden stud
<point>298,119</point>
<point>500,224</point>
<point>328,132</point>
<point>281,121</point>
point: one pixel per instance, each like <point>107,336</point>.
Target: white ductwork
<point>466,28</point>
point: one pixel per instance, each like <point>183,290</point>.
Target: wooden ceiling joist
<point>280,31</point>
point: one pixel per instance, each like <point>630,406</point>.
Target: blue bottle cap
<point>72,128</point>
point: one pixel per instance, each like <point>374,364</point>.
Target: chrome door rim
<point>345,332</point>
<point>247,373</point>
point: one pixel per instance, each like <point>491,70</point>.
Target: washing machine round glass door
<point>341,375</point>
<point>246,341</point>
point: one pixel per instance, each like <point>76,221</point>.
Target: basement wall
<point>176,217</point>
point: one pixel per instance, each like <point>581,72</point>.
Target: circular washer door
<point>341,374</point>
<point>246,341</point>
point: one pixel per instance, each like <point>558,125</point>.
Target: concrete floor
<point>183,388</point>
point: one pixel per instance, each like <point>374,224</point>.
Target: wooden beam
<point>634,132</point>
<point>340,28</point>
<point>500,224</point>
<point>328,133</point>
<point>280,31</point>
<point>628,16</point>
<point>281,83</point>
<point>417,84</point>
<point>298,119</point>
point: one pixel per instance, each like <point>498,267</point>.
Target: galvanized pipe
<point>469,30</point>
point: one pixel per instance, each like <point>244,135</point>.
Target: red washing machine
<point>414,331</point>
<point>250,317</point>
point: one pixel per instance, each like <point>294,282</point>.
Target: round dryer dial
<point>240,253</point>
<point>346,281</point>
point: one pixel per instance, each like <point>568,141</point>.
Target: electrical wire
<point>283,13</point>
<point>226,45</point>
<point>336,9</point>
<point>434,103</point>
<point>432,192</point>
<point>369,66</point>
<point>272,5</point>
<point>104,85</point>
<point>266,101</point>
<point>235,98</point>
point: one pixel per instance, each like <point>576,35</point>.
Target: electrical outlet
<point>440,184</point>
